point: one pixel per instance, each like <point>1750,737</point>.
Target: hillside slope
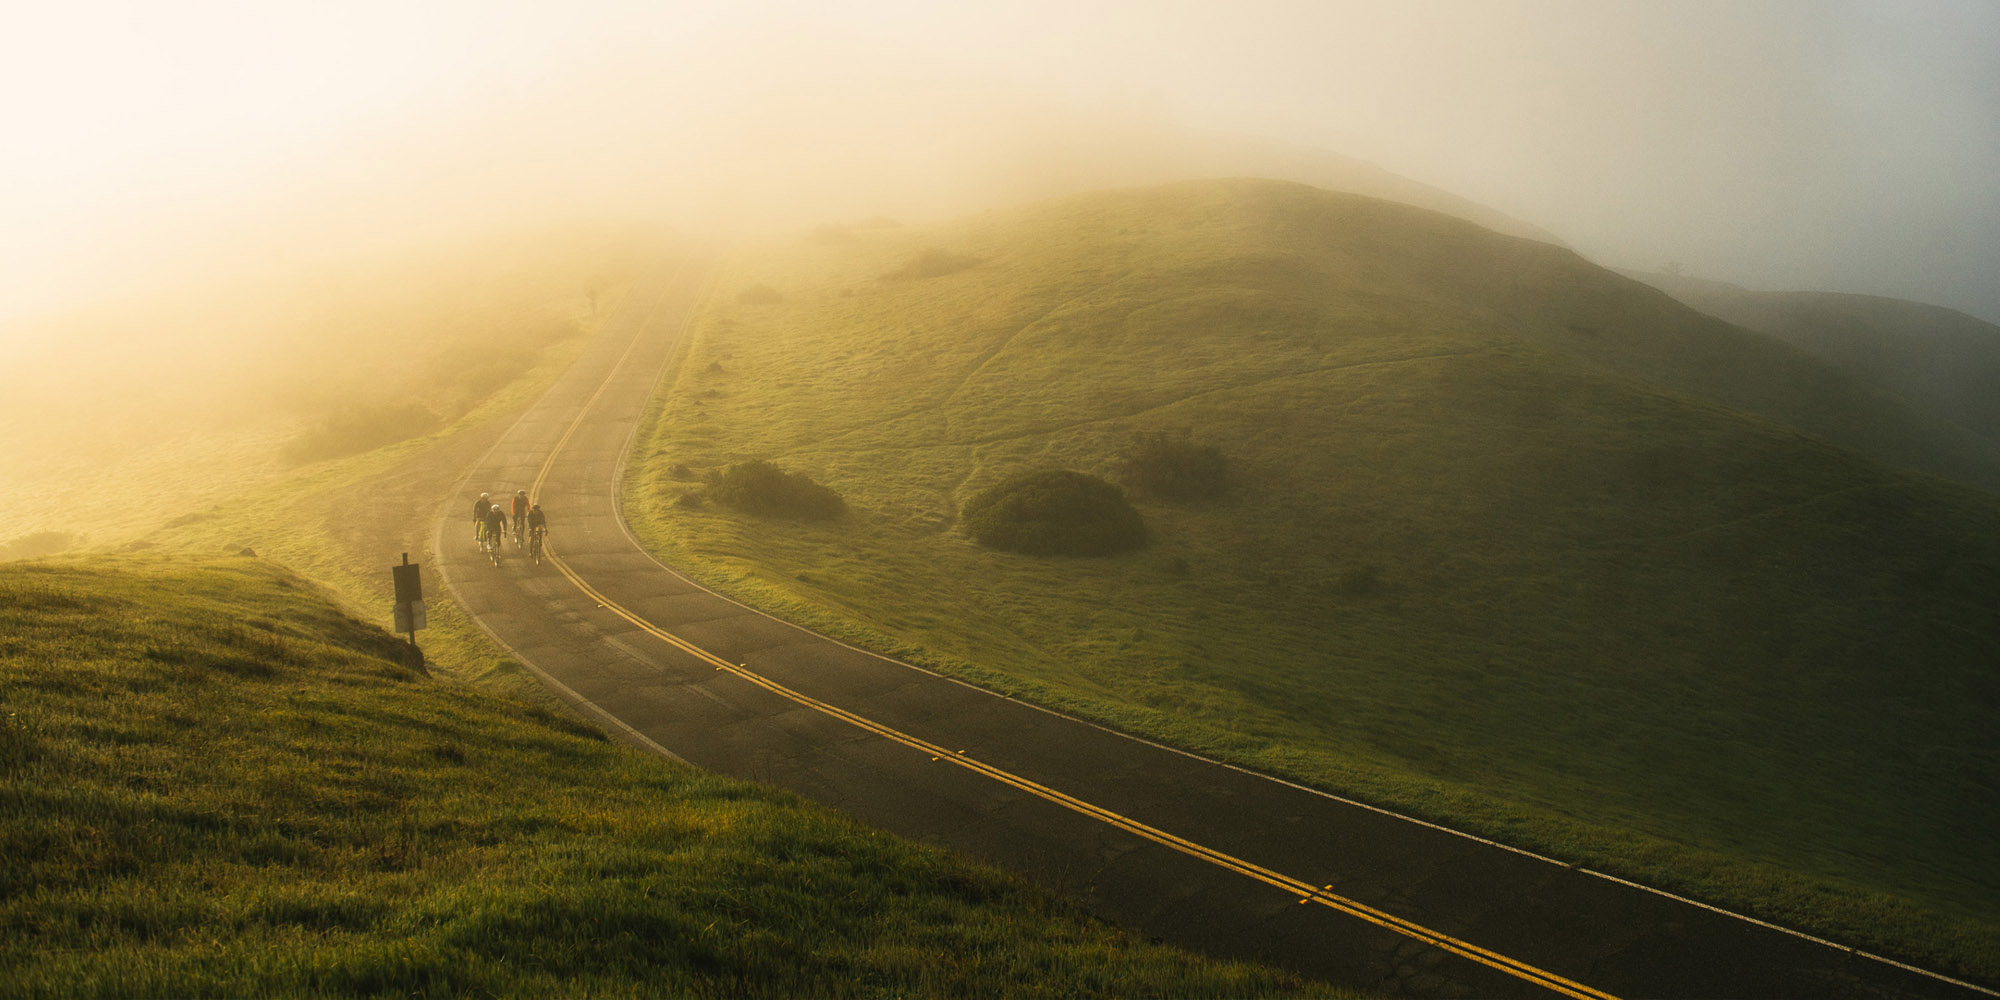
<point>1511,541</point>
<point>1940,360</point>
<point>1065,154</point>
<point>132,414</point>
<point>212,782</point>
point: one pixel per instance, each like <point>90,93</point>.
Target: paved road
<point>1179,849</point>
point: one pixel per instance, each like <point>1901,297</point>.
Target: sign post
<point>410,607</point>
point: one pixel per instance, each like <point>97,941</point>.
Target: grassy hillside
<point>188,440</point>
<point>132,414</point>
<point>213,782</point>
<point>1939,359</point>
<point>1509,540</point>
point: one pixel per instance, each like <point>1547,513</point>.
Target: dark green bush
<point>765,490</point>
<point>1171,464</point>
<point>1055,512</point>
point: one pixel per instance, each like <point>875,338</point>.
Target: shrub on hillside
<point>1172,464</point>
<point>765,490</point>
<point>934,262</point>
<point>1055,512</point>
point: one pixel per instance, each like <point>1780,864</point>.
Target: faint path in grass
<point>831,449</point>
<point>978,364</point>
<point>1007,340</point>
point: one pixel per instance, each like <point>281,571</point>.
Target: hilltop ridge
<point>1940,360</point>
<point>1511,540</point>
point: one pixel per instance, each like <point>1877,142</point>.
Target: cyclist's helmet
<point>497,510</point>
<point>520,493</point>
<point>485,496</point>
<point>534,506</point>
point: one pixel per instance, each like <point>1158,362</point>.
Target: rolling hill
<point>220,778</point>
<point>136,413</point>
<point>1510,540</point>
<point>1940,360</point>
<point>214,782</point>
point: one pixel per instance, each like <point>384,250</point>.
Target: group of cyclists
<point>490,522</point>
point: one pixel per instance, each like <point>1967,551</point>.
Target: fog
<point>1846,146</point>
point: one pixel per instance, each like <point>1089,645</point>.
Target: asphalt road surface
<point>1171,846</point>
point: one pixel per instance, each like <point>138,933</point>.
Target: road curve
<point>1178,848</point>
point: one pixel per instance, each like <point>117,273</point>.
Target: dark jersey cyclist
<point>479,515</point>
<point>538,526</point>
<point>520,514</point>
<point>496,525</point>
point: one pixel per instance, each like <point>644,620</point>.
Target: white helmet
<point>496,508</point>
<point>485,496</point>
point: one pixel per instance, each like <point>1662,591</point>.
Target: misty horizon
<point>1838,147</point>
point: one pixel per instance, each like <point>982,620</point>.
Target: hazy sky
<point>1851,146</point>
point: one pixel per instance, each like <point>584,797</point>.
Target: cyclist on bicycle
<point>520,516</point>
<point>479,517</point>
<point>538,526</point>
<point>496,525</point>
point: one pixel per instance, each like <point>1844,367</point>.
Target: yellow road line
<point>1307,892</point>
<point>651,310</point>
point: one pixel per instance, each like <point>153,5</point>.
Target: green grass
<point>1509,541</point>
<point>140,413</point>
<point>342,523</point>
<point>343,519</point>
<point>214,782</point>
<point>1939,359</point>
<point>217,779</point>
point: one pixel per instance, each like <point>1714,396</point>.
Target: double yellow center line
<point>1307,892</point>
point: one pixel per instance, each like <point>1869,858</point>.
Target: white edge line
<point>618,508</point>
<point>623,729</point>
<point>444,518</point>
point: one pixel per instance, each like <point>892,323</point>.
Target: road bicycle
<point>491,542</point>
<point>535,544</point>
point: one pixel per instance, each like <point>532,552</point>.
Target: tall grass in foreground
<point>212,782</point>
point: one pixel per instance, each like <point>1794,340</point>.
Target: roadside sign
<point>409,615</point>
<point>409,598</point>
<point>408,586</point>
<point>410,608</point>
